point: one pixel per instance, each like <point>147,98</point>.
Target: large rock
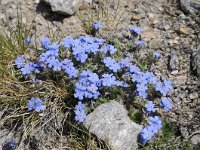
<point>109,122</point>
<point>189,6</point>
<point>66,7</point>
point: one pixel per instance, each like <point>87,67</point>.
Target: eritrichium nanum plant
<point>93,67</point>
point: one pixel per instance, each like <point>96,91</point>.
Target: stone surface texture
<point>109,122</point>
<point>66,7</point>
<point>190,5</point>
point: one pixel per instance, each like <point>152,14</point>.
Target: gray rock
<point>193,95</point>
<point>66,7</point>
<point>4,2</point>
<point>109,122</point>
<point>196,62</point>
<point>184,132</point>
<point>195,139</point>
<point>174,61</point>
<point>189,6</point>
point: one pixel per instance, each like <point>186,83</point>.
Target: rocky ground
<point>171,28</point>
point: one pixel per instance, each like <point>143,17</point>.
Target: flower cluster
<point>72,57</point>
<point>82,46</point>
<point>87,86</point>
<point>68,67</point>
<point>36,104</point>
<point>26,68</point>
<point>155,123</point>
<point>143,79</point>
<point>80,112</point>
<point>109,80</point>
<point>111,64</point>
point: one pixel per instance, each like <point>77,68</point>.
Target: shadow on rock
<point>45,10</point>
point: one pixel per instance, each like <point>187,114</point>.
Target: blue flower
<point>82,57</point>
<point>85,73</point>
<point>108,48</point>
<point>27,69</point>
<point>20,62</point>
<point>156,54</point>
<point>67,42</point>
<point>108,80</point>
<point>87,86</point>
<point>156,123</point>
<point>134,69</point>
<point>51,61</point>
<point>57,65</point>
<point>99,41</point>
<point>37,67</point>
<point>108,61</point>
<point>150,107</point>
<point>142,94</point>
<point>125,62</point>
<point>135,77</point>
<point>141,90</point>
<point>121,83</point>
<point>97,25</point>
<point>164,88</point>
<point>139,42</point>
<point>167,85</point>
<point>52,47</point>
<point>146,134</point>
<point>79,94</point>
<point>27,40</point>
<point>72,72</point>
<point>115,67</point>
<point>86,39</point>
<point>152,79</point>
<point>66,63</point>
<point>166,103</point>
<point>80,112</point>
<point>78,50</point>
<point>36,104</point>
<point>136,30</point>
<point>142,78</point>
<point>111,64</point>
<point>93,77</point>
<point>45,42</point>
<point>80,116</point>
<point>92,88</point>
